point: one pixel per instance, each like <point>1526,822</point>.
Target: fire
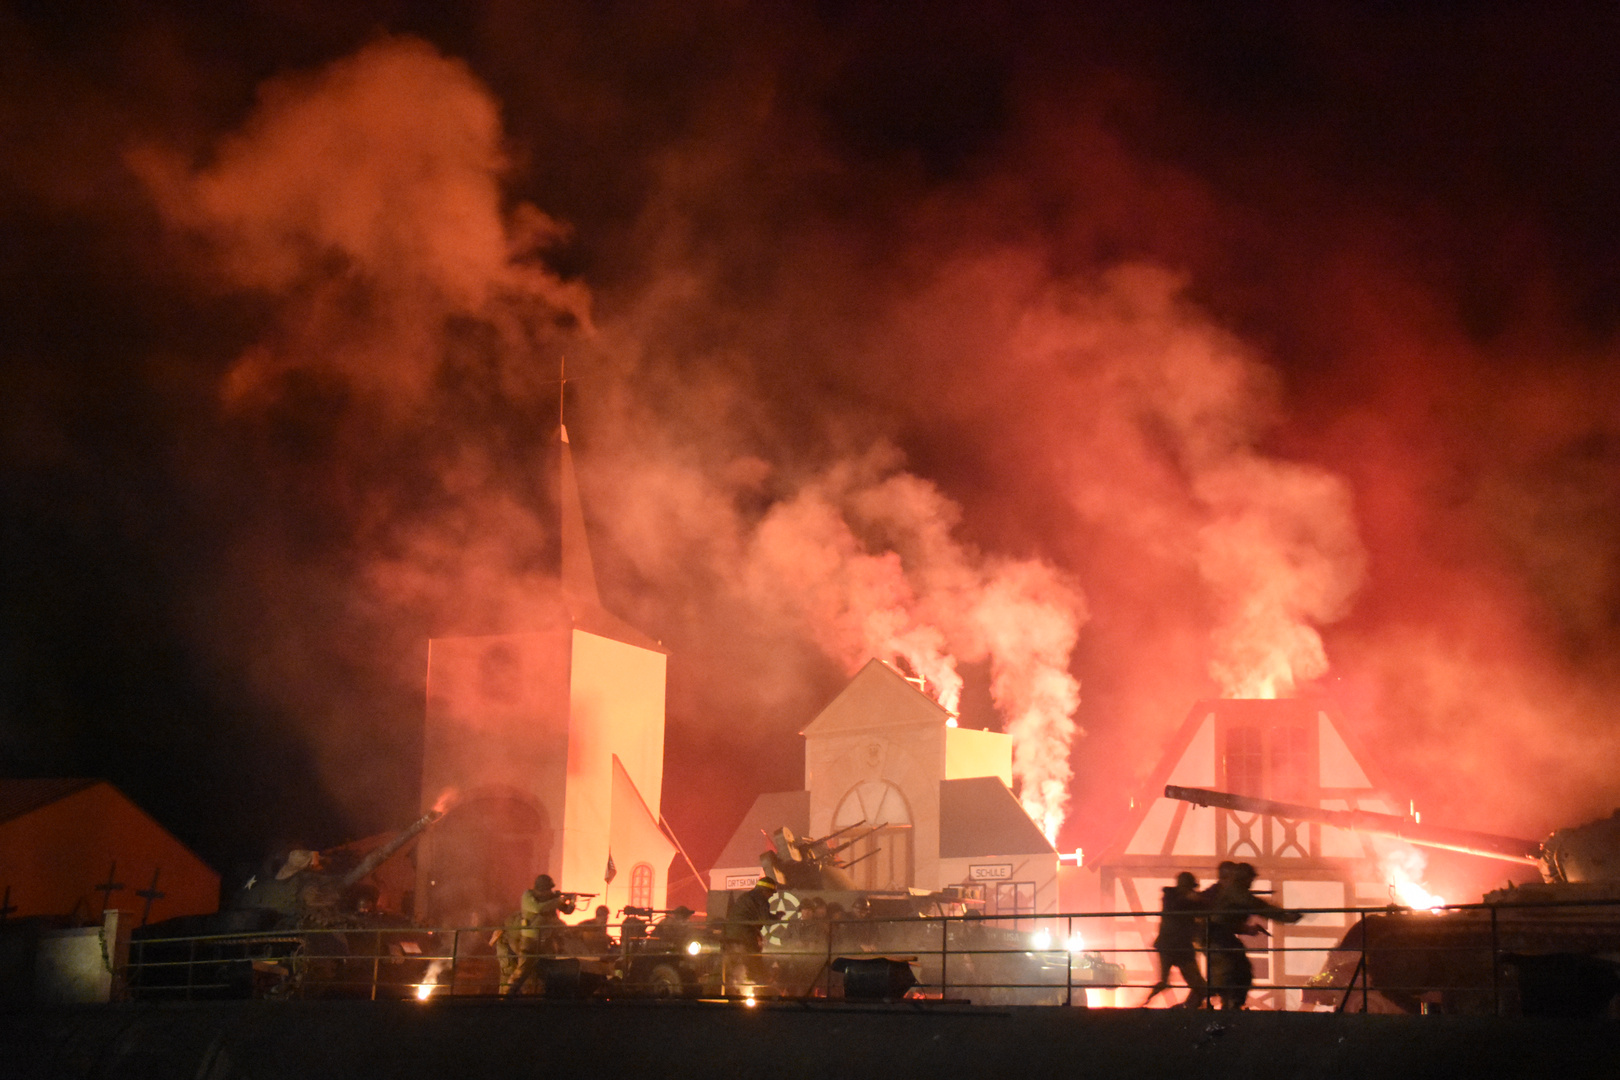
<point>1403,870</point>
<point>447,798</point>
<point>430,980</point>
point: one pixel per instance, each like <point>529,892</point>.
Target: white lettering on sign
<point>990,872</point>
<point>741,881</point>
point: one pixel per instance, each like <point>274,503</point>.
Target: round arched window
<point>875,802</point>
<point>881,856</point>
<point>641,885</point>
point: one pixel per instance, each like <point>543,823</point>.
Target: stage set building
<point>551,743</point>
<point>930,802</point>
<point>1284,750</point>
<point>72,849</point>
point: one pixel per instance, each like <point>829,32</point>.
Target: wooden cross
<point>6,906</point>
<point>150,893</point>
<point>110,886</point>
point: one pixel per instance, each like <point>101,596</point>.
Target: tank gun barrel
<point>1490,845</point>
<point>386,852</point>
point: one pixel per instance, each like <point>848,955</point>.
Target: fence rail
<point>1535,958</point>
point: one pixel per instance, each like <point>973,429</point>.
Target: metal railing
<point>1468,958</point>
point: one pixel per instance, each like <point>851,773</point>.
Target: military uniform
<point>540,921</point>
<point>745,932</point>
<point>1178,926</point>
<point>1232,906</point>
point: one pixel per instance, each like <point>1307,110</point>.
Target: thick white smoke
<point>865,555</point>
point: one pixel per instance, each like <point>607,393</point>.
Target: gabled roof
<point>1173,766</point>
<point>769,813</point>
<point>980,816</point>
<point>19,797</point>
<point>625,793</point>
<point>877,697</point>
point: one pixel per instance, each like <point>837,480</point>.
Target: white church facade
<point>928,804</point>
<point>550,741</point>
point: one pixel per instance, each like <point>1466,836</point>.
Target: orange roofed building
<point>1285,750</point>
<point>552,740</point>
<point>70,849</point>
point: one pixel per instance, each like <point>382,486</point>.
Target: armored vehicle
<point>956,951</point>
<point>310,929</point>
<point>1544,948</point>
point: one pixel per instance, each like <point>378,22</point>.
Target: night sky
<point>1132,351</point>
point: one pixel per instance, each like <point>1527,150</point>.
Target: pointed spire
<point>578,573</point>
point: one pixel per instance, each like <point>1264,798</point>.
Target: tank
<point>310,929</point>
<point>826,916</point>
<point>1548,948</point>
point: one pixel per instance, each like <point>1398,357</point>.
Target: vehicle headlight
<point>1041,939</point>
<point>694,947</point>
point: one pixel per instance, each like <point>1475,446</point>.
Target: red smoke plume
<point>1269,351</point>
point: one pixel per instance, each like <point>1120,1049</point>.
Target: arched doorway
<point>881,859</point>
<point>481,857</point>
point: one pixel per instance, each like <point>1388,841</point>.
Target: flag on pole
<point>611,872</point>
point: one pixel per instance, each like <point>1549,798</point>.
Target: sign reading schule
<point>990,872</point>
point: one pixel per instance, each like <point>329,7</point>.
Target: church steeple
<point>578,573</point>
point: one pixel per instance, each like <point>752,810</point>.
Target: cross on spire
<point>149,894</point>
<point>110,886</point>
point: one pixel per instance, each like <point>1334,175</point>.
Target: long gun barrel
<point>1510,848</point>
<point>384,853</point>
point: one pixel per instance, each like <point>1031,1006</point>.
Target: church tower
<point>551,739</point>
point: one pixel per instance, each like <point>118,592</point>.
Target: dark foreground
<point>472,1039</point>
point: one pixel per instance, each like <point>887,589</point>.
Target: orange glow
<point>430,980</point>
<point>447,798</point>
<point>1403,870</point>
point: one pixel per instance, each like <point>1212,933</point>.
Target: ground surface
<point>459,1039</point>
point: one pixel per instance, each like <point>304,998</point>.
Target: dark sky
<point>1148,352</point>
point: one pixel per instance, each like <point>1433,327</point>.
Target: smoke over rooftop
<point>1080,369</point>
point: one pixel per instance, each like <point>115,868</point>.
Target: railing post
<point>191,965</point>
<point>944,956</point>
<point>455,959</point>
<point>1366,962</point>
<point>376,964</point>
<point>1068,963</point>
<point>1496,968</point>
<point>826,969</point>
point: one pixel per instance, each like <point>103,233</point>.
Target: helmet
<point>543,883</point>
<point>766,884</point>
<point>298,860</point>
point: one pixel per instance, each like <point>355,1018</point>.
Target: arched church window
<point>641,885</point>
<point>882,857</point>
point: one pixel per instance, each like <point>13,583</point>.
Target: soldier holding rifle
<point>540,921</point>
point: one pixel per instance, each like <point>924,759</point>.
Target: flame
<point>430,980</point>
<point>1403,869</point>
<point>447,798</point>
<point>1281,556</point>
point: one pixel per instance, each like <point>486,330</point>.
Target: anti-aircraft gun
<point>306,929</point>
<point>1558,940</point>
<point>826,915</point>
<point>802,863</point>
